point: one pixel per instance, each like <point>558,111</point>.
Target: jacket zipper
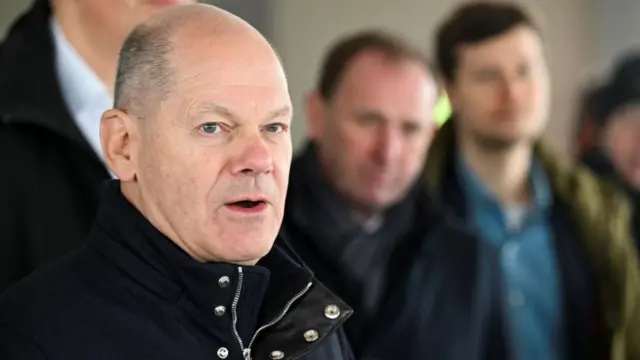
<point>246,352</point>
<point>234,313</point>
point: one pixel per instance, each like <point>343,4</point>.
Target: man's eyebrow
<point>209,107</point>
<point>282,112</point>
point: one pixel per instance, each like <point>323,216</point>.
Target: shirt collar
<point>541,186</point>
<point>476,191</point>
<point>81,87</point>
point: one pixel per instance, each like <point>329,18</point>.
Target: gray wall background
<point>256,12</point>
<point>617,29</point>
<point>9,9</point>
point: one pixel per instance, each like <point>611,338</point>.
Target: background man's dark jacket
<point>50,176</point>
<point>131,293</point>
<point>443,295</point>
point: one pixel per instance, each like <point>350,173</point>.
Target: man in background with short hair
<point>421,287</point>
<point>572,274</point>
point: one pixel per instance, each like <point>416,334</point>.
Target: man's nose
<point>388,146</point>
<point>511,88</point>
<point>253,157</point>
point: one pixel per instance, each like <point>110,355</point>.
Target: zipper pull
<point>247,354</point>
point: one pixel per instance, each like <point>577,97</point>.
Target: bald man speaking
<point>180,262</point>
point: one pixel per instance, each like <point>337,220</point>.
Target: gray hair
<point>145,76</point>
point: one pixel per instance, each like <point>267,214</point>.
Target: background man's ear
<point>119,138</point>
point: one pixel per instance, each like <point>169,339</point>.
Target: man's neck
<point>101,56</point>
<point>503,172</point>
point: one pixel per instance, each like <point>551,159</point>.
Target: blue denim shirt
<point>529,263</point>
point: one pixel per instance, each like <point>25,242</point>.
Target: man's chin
<point>247,258</point>
<point>240,247</point>
<point>501,142</point>
<point>378,202</point>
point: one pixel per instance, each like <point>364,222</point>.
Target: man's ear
<point>119,138</point>
<point>315,113</point>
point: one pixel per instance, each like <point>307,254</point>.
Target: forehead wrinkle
<point>224,75</point>
<point>283,112</point>
<point>213,108</point>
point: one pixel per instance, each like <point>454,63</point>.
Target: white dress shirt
<point>85,94</point>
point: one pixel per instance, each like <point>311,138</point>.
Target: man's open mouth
<point>253,206</point>
<point>247,204</point>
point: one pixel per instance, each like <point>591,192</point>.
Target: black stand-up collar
<point>133,244</point>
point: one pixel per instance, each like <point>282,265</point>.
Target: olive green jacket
<point>602,215</point>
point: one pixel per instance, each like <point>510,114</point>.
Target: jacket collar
<point>144,254</point>
<point>29,89</point>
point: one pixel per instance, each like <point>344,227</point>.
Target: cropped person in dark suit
<point>57,73</point>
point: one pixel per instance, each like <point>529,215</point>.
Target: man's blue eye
<point>275,128</point>
<point>210,128</point>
